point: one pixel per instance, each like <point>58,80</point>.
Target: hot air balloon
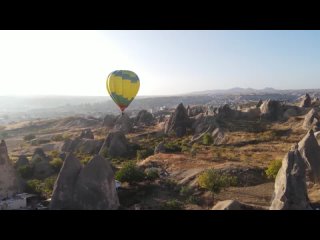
<point>123,86</point>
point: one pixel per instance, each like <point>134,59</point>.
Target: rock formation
<point>62,197</point>
<point>290,191</point>
<point>178,122</point>
<point>88,146</point>
<point>9,184</point>
<point>115,145</point>
<point>87,134</point>
<point>109,121</point>
<point>144,118</point>
<point>91,187</point>
<point>234,205</point>
<point>22,161</point>
<point>305,101</point>
<point>41,164</point>
<point>271,110</point>
<point>311,120</point>
<point>310,151</point>
<point>123,123</point>
<point>218,136</point>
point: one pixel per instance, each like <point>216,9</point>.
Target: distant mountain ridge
<point>238,90</point>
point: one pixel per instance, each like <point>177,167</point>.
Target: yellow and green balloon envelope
<point>123,86</point>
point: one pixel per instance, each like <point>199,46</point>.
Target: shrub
<point>185,149</point>
<point>185,191</point>
<point>207,139</point>
<point>44,188</point>
<point>56,163</point>
<point>193,200</point>
<point>273,169</point>
<point>172,147</point>
<point>25,172</point>
<point>54,154</point>
<point>29,137</point>
<point>215,181</point>
<point>152,174</point>
<point>144,153</point>
<point>57,138</point>
<point>129,173</point>
<point>172,204</point>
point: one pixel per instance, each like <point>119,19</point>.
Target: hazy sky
<point>167,62</point>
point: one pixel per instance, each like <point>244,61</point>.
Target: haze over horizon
<point>76,63</point>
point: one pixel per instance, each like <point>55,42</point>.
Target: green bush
<point>273,169</point>
<point>193,200</point>
<point>58,138</point>
<point>207,139</point>
<point>185,149</point>
<point>129,173</point>
<point>172,204</point>
<point>152,174</point>
<point>144,153</point>
<point>44,188</point>
<point>215,181</point>
<point>56,163</point>
<point>185,191</point>
<point>29,137</point>
<point>25,172</point>
<point>172,147</point>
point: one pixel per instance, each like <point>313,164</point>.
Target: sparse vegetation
<point>207,139</point>
<point>56,163</point>
<point>185,191</point>
<point>130,173</point>
<point>58,138</point>
<point>273,169</point>
<point>29,137</point>
<point>172,204</point>
<point>152,174</point>
<point>44,188</point>
<point>214,181</point>
<point>144,153</point>
<point>25,171</point>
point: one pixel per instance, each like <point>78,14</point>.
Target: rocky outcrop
<point>91,187</point>
<point>311,120</point>
<point>41,164</point>
<point>115,145</point>
<point>202,123</point>
<point>95,187</point>
<point>123,123</point>
<point>195,110</point>
<point>109,121</point>
<point>290,191</point>
<point>225,111</point>
<point>22,161</point>
<point>160,148</point>
<point>310,151</point>
<point>178,122</point>
<point>88,146</point>
<point>259,104</point>
<point>271,110</point>
<point>144,118</point>
<point>218,136</point>
<point>315,102</point>
<point>62,197</point>
<point>87,134</point>
<point>234,205</point>
<point>9,184</point>
<point>305,101</point>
